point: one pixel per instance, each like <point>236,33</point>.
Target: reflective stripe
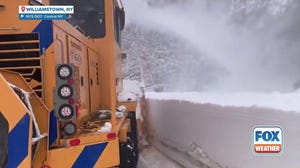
<point>89,156</point>
<point>45,30</point>
<point>52,128</point>
<point>18,142</point>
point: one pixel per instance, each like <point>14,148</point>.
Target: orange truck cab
<point>59,83</point>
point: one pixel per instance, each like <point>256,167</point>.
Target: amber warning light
<point>45,12</point>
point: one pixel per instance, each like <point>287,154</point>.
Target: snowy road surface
<point>151,158</point>
<point>222,133</point>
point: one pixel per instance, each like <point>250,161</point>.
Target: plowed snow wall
<point>224,132</point>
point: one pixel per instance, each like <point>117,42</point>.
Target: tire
<point>123,155</point>
<point>3,141</point>
<point>132,141</point>
<point>132,157</point>
<point>129,152</point>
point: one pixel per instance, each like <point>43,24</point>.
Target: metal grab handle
<point>79,29</point>
<point>9,28</point>
<point>62,48</point>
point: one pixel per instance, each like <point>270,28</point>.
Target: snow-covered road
<point>221,132</point>
<point>152,158</point>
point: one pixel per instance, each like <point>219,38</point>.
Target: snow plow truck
<point>59,82</point>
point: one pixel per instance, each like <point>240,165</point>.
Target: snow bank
<point>221,125</point>
<point>275,100</point>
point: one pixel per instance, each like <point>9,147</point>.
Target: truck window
<point>88,17</point>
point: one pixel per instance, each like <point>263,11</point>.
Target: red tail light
<point>70,81</point>
<point>111,135</point>
<point>74,142</point>
<point>77,110</point>
<point>71,101</point>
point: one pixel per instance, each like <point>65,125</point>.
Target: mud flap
<point>3,141</point>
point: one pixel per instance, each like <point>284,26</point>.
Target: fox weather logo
<point>267,140</point>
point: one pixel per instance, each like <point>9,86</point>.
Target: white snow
<point>152,158</point>
<point>223,132</point>
<point>278,6</point>
<point>106,128</point>
<point>273,7</point>
<point>274,100</point>
<point>131,91</point>
<point>251,48</point>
